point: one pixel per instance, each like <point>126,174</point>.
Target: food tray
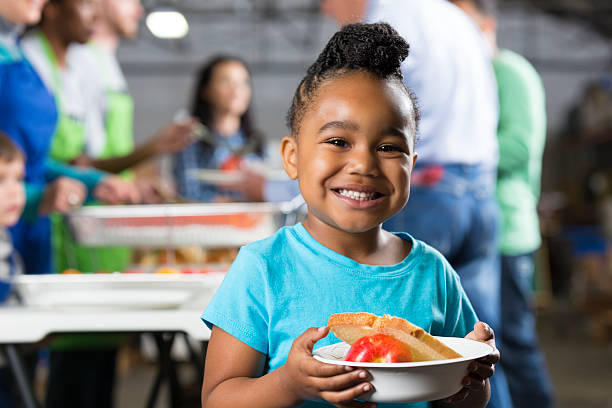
<point>115,290</point>
<point>175,225</point>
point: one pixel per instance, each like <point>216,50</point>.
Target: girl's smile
<point>359,196</point>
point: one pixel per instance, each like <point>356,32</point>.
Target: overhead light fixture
<point>167,24</point>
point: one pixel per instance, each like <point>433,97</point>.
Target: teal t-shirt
<point>282,285</point>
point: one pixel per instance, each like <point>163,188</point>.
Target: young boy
<point>13,199</point>
<point>353,125</point>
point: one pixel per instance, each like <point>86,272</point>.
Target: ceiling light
<point>167,24</point>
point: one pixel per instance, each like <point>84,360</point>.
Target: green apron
<point>68,143</point>
<point>69,138</point>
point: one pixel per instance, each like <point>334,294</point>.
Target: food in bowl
<point>353,327</point>
<point>412,381</point>
<point>379,348</point>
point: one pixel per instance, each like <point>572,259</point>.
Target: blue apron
<point>28,114</point>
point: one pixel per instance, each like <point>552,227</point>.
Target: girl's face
<point>22,11</point>
<point>229,89</point>
<point>354,152</point>
<point>11,190</point>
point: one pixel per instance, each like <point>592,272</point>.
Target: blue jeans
<point>523,363</point>
<point>458,215</point>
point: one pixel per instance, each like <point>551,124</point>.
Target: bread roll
<point>350,327</point>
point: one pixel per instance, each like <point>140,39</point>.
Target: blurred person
<point>66,22</point>
<point>521,133</point>
<point>12,172</point>
<point>28,115</point>
<point>109,142</point>
<point>452,204</point>
<point>221,101</point>
<point>81,369</point>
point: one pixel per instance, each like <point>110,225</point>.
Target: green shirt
<point>521,134</point>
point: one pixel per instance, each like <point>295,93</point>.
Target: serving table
<point>30,325</point>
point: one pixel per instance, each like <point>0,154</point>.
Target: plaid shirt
<point>201,155</point>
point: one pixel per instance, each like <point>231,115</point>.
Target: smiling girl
<point>353,126</point>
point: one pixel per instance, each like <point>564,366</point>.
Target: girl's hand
<point>481,369</point>
<point>304,378</point>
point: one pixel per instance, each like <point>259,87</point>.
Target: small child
<point>12,170</point>
<point>353,125</point>
<point>12,193</point>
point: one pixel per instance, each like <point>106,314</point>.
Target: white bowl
<point>412,382</point>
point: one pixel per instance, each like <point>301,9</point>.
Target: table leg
<point>167,370</point>
<point>16,366</point>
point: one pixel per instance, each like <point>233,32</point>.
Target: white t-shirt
<point>80,90</point>
<point>449,69</point>
<point>103,74</point>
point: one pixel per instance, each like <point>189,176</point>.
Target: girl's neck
<point>58,45</point>
<point>372,247</point>
<point>225,124</point>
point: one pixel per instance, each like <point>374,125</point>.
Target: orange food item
<point>70,272</point>
<point>133,271</point>
<point>167,269</point>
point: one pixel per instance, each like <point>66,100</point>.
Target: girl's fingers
<point>339,397</point>
<point>481,370</point>
<point>340,382</point>
<point>492,358</point>
<point>473,383</point>
<point>460,396</point>
<point>356,404</point>
<point>315,368</point>
<point>307,340</point>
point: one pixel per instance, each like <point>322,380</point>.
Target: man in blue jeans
<point>521,133</point>
<point>452,202</point>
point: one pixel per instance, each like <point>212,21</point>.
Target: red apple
<point>379,348</point>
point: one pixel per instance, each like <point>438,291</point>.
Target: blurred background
<point>568,42</point>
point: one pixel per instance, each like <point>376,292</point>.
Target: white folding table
<point>30,325</point>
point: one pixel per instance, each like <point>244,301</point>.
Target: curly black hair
<point>374,48</point>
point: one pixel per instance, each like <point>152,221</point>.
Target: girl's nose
<point>362,161</point>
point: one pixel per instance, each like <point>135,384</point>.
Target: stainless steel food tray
<point>116,290</point>
<point>175,225</point>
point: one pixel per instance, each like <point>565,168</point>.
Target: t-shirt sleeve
<point>460,316</point>
<point>239,305</point>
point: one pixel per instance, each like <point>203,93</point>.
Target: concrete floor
<point>581,368</point>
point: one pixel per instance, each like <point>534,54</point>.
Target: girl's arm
<point>233,376</point>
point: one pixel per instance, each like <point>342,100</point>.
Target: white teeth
<point>356,195</point>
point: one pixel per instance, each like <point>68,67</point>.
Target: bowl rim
<point>486,349</point>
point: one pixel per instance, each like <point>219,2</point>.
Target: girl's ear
<point>288,150</point>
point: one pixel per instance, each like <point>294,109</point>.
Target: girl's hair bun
<point>376,48</point>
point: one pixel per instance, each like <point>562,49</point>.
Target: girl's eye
<point>337,142</point>
<point>391,149</point>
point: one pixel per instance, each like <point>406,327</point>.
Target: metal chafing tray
<point>175,225</point>
<point>118,290</point>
